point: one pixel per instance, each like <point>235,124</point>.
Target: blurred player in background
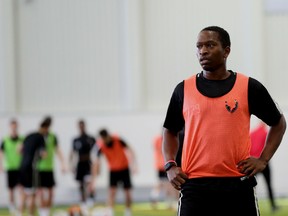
<point>258,138</point>
<point>33,150</point>
<point>163,185</point>
<point>80,158</point>
<point>45,168</point>
<point>120,158</point>
<point>11,150</point>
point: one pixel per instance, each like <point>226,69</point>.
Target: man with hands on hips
<point>216,176</point>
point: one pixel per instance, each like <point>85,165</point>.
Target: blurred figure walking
<point>163,185</point>
<point>80,158</point>
<point>121,159</point>
<point>10,151</point>
<point>33,150</point>
<point>45,168</point>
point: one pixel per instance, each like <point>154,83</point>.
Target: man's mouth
<point>204,61</point>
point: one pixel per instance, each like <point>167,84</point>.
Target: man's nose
<point>203,50</point>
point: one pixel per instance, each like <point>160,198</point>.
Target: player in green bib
<point>10,151</point>
<point>45,168</point>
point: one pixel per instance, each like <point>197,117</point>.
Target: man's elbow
<point>168,132</point>
<point>282,124</point>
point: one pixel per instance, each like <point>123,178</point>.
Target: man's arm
<point>170,148</point>
<point>42,147</point>
<point>131,158</point>
<point>72,157</point>
<point>61,158</point>
<point>95,170</point>
<point>252,166</point>
<point>273,140</point>
<point>1,158</point>
<point>170,145</point>
<point>60,155</point>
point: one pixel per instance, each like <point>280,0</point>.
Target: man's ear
<point>227,52</point>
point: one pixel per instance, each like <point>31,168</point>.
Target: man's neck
<point>13,135</point>
<point>216,75</point>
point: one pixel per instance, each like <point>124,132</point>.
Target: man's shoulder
<point>75,139</point>
<point>240,73</point>
<point>52,134</point>
<point>254,84</point>
<point>193,76</point>
<point>179,89</point>
<point>90,139</point>
<point>33,135</point>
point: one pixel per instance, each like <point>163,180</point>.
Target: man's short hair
<point>46,122</point>
<point>223,35</point>
<point>103,132</point>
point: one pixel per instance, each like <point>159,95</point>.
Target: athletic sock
<point>127,212</point>
<point>84,208</point>
<point>44,211</point>
<point>89,202</point>
<point>18,213</point>
<point>47,211</point>
<point>110,211</point>
<point>40,211</point>
<point>155,195</point>
<point>12,209</point>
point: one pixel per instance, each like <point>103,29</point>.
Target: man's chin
<point>207,68</point>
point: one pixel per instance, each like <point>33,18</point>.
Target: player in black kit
<point>33,150</point>
<point>81,149</point>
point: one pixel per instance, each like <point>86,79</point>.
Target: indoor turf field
<point>144,209</point>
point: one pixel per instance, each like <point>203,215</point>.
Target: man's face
<point>106,139</point>
<point>210,53</point>
<point>14,127</point>
<point>82,127</point>
<point>44,130</point>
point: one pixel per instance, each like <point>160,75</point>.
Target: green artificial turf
<point>145,209</point>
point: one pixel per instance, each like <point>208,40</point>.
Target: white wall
<point>7,58</point>
<point>116,64</point>
<point>107,56</point>
<point>70,53</point>
<point>61,56</point>
<point>276,34</point>
<point>1,63</point>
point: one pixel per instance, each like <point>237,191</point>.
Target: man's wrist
<point>264,160</point>
<point>169,164</point>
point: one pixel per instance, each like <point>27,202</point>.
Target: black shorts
<point>218,196</point>
<point>29,178</point>
<point>120,177</point>
<point>13,178</point>
<point>83,170</point>
<point>162,175</point>
<point>46,179</point>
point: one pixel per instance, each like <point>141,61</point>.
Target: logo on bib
<point>228,107</point>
